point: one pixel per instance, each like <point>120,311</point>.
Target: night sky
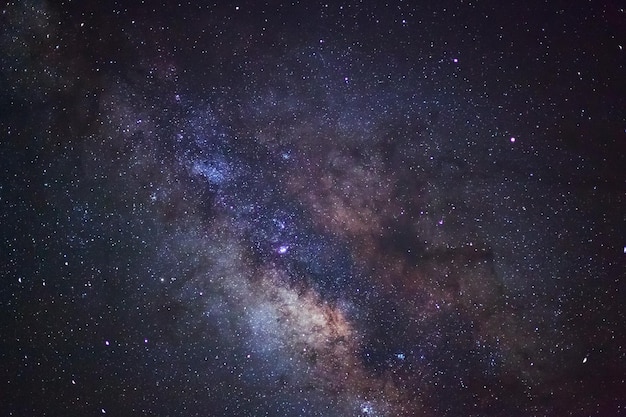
<point>359,208</point>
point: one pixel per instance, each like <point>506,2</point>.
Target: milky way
<point>294,209</point>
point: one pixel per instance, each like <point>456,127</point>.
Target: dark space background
<point>360,208</point>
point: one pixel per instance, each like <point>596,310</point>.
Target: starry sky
<point>359,208</point>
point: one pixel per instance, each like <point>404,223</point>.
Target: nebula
<point>292,209</point>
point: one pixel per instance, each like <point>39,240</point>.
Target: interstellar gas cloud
<point>353,208</point>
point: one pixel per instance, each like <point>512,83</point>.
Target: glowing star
<point>283,249</point>
<point>512,139</point>
<point>366,408</point>
<point>280,224</point>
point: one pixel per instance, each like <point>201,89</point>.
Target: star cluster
<point>299,209</point>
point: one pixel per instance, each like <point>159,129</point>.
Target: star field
<point>357,208</point>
